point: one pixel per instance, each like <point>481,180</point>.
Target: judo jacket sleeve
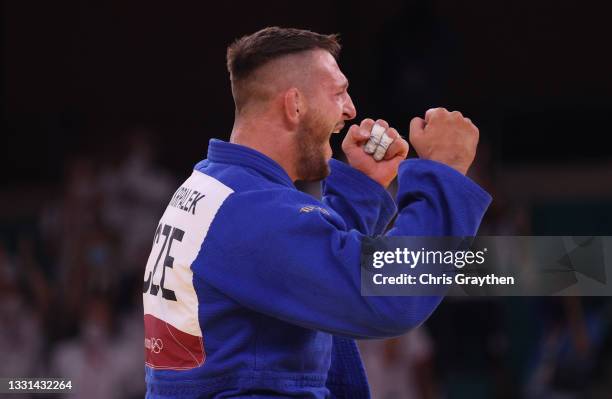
<point>296,259</point>
<point>363,204</point>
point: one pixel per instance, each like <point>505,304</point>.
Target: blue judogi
<point>268,297</point>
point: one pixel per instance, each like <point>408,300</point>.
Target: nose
<point>349,112</point>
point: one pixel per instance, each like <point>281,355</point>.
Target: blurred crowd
<point>71,289</point>
<point>71,286</point>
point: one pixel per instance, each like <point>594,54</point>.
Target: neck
<point>268,138</point>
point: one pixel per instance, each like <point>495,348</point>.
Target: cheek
<point>333,110</point>
<point>340,104</point>
<point>334,116</point>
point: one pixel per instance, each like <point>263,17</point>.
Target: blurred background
<point>107,106</point>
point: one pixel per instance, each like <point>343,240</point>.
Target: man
<point>252,288</point>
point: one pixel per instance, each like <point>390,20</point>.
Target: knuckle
<point>363,131</point>
<point>439,113</point>
<point>434,115</point>
<point>473,133</point>
<point>367,121</point>
<point>382,122</point>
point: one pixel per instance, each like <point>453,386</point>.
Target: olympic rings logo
<point>155,345</point>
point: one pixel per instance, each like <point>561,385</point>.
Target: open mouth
<point>338,128</point>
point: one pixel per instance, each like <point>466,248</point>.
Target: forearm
<point>436,200</point>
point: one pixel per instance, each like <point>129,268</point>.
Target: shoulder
<point>251,219</point>
<point>236,177</point>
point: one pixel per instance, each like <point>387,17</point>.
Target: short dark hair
<point>250,52</point>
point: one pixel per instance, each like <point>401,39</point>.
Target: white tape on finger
<point>382,148</point>
<point>375,137</point>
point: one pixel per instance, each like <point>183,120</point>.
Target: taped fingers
<point>381,140</point>
<point>399,146</point>
<point>367,124</point>
<point>376,136</point>
<point>382,147</point>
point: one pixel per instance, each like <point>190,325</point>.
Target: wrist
<point>368,172</point>
<point>460,167</point>
<point>378,179</point>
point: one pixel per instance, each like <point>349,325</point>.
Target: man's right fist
<point>446,137</point>
<point>384,169</point>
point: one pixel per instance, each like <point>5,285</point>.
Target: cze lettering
<point>171,234</point>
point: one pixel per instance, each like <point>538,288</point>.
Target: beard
<point>312,140</point>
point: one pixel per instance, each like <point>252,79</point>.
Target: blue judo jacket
<point>252,288</point>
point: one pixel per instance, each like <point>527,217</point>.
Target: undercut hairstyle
<point>248,53</point>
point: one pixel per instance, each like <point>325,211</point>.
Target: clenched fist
<point>446,137</point>
<point>383,171</point>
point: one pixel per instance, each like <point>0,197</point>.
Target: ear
<point>294,105</point>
